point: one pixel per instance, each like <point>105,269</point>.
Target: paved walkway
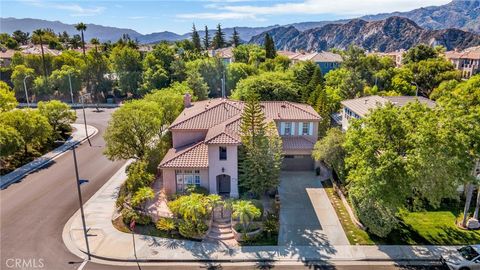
<point>78,135</point>
<point>307,217</point>
<point>110,246</point>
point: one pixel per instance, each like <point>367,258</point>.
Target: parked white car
<point>465,258</point>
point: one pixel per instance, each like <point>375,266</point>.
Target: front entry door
<point>223,184</point>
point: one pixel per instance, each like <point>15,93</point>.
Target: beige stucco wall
<point>230,167</point>
<point>184,137</point>
<point>169,182</point>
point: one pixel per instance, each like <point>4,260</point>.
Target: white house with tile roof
<point>206,136</point>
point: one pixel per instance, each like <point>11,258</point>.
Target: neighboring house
<point>396,56</point>
<point>226,54</point>
<point>359,107</point>
<point>326,61</point>
<point>36,49</point>
<point>467,61</point>
<point>6,57</point>
<point>206,137</point>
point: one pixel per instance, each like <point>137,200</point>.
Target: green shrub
<point>122,196</point>
<point>271,224</point>
<point>166,224</point>
<point>187,229</point>
<point>196,189</point>
<point>258,204</point>
<point>129,214</point>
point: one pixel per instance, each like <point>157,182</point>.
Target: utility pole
<point>85,119</point>
<point>70,83</point>
<point>80,201</point>
<point>25,86</point>
<point>223,84</point>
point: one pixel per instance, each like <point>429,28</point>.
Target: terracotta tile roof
<point>286,110</point>
<point>204,115</point>
<point>297,142</point>
<point>468,53</point>
<point>192,156</point>
<point>207,114</point>
<point>363,105</point>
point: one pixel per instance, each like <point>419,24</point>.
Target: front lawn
<point>432,227</point>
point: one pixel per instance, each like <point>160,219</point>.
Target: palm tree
<point>95,42</point>
<point>40,33</point>
<point>245,211</point>
<point>82,27</point>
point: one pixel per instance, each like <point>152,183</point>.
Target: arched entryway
<point>223,184</point>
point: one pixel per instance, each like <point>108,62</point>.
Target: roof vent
<point>284,106</point>
<point>366,100</point>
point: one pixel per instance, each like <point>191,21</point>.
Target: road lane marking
<point>82,265</point>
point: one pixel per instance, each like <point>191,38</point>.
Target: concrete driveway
<point>306,214</point>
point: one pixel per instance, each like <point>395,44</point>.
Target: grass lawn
<point>433,227</point>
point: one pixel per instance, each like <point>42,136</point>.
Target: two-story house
<point>466,61</point>
<point>359,107</point>
<point>206,137</point>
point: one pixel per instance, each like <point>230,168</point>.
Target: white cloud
<point>75,9</point>
<point>217,16</point>
<point>229,10</point>
<point>337,7</point>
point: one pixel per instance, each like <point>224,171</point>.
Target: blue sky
<point>178,16</point>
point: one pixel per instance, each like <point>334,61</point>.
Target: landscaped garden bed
<point>429,227</point>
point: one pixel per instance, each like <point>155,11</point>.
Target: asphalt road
<point>33,213</point>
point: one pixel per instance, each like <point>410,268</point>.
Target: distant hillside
<point>461,14</point>
<point>104,33</point>
<point>390,34</point>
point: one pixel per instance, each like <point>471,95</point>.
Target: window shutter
<point>292,132</point>
<point>300,128</point>
<point>310,130</point>
<point>282,128</point>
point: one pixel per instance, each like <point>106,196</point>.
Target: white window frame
<point>288,127</point>
<point>306,129</point>
<point>185,178</point>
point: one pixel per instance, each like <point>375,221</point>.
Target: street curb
<point>81,252</point>
<point>46,162</point>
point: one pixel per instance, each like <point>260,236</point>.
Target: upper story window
<point>288,129</point>
<point>222,150</point>
<point>306,129</point>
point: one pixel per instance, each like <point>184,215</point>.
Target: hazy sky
<point>178,16</point>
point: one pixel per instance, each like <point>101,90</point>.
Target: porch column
<point>233,188</point>
<point>212,185</point>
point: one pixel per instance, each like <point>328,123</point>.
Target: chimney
<point>187,100</point>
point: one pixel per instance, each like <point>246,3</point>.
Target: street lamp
<point>79,190</point>
<point>70,83</point>
<point>25,86</point>
<point>85,118</point>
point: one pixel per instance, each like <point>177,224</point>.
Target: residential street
<point>34,211</point>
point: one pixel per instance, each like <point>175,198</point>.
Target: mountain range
<point>393,33</point>
<point>460,14</point>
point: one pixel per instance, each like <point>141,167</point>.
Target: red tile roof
<point>297,142</point>
<point>192,156</point>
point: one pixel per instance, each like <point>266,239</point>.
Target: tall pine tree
<point>219,38</point>
<point>235,38</point>
<point>270,51</point>
<point>261,155</point>
<point>197,44</point>
<point>206,39</point>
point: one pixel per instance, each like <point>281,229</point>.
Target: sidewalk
<point>78,136</point>
<point>110,246</point>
